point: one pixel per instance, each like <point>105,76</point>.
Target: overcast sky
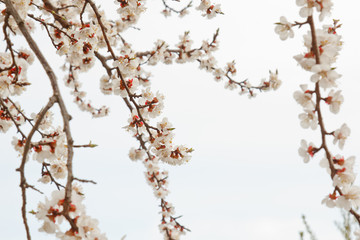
<point>245,180</point>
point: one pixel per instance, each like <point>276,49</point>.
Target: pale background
<point>245,180</point>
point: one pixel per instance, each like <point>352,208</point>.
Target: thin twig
<point>85,181</point>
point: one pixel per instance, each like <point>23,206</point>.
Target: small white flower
<point>343,178</point>
<point>230,68</point>
<point>305,61</point>
<point>308,119</point>
<point>307,7</point>
<point>151,166</point>
<point>218,74</point>
<point>306,151</point>
<point>324,75</point>
<point>136,154</point>
<point>230,85</point>
<point>166,12</point>
<point>335,99</point>
<point>304,98</point>
<point>329,200</point>
<point>350,198</point>
<point>324,8</point>
<point>47,120</point>
<point>48,227</point>
<point>340,135</point>
<point>58,170</point>
<point>161,193</point>
<point>274,80</point>
<point>45,179</point>
<point>283,28</point>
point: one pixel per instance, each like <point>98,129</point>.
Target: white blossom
<point>334,99</point>
<point>307,7</point>
<point>350,198</point>
<point>340,135</point>
<point>304,98</point>
<point>283,28</point>
<point>308,119</point>
<point>306,150</point>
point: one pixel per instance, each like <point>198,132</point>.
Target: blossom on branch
<point>306,150</point>
<point>283,28</point>
<point>340,135</point>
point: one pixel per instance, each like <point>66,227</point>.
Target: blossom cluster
<point>10,115</point>
<point>322,47</point>
<point>210,10</point>
<point>50,213</point>
<point>13,79</point>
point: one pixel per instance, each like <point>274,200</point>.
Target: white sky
<point>245,180</point>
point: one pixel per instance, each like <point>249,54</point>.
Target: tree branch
<point>56,91</point>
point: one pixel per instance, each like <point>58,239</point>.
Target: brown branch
<point>103,29</point>
<point>315,50</point>
<point>47,30</point>
<point>33,188</point>
<point>81,14</point>
<point>56,91</point>
<point>51,25</point>
<point>242,84</point>
<point>21,169</point>
<point>132,97</point>
<point>300,24</point>
<point>54,11</point>
<point>84,180</point>
<point>66,7</point>
<point>45,165</point>
<point>9,46</point>
<point>174,10</point>
<point>103,60</point>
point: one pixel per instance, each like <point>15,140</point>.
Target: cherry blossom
<point>340,135</point>
<point>334,99</point>
<point>307,7</point>
<point>324,75</point>
<point>350,198</point>
<point>308,119</point>
<point>304,98</point>
<point>330,200</point>
<point>306,150</point>
<point>210,10</point>
<point>50,213</point>
<point>283,28</point>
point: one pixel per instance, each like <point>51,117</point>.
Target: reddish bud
<point>340,170</point>
<point>38,148</point>
<point>311,151</point>
<point>328,100</point>
<point>23,55</point>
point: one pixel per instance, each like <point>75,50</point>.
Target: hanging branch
<point>59,100</point>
